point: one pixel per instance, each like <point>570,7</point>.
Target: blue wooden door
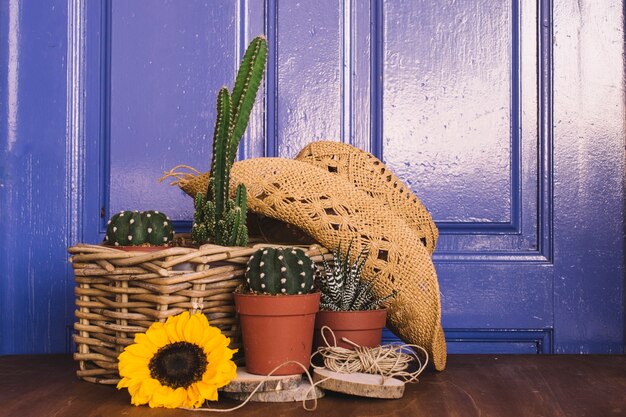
<point>505,117</point>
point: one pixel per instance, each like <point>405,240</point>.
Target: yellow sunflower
<point>180,363</point>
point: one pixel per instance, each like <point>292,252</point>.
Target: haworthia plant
<point>131,228</point>
<point>218,218</point>
<point>342,287</point>
<point>280,271</point>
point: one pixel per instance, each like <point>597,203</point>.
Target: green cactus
<point>131,228</point>
<point>247,84</point>
<point>204,218</point>
<point>218,218</point>
<point>236,229</point>
<point>220,168</point>
<point>280,271</point>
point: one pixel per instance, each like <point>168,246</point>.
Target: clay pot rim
<point>364,312</point>
<point>273,296</point>
<point>274,305</point>
<point>352,320</point>
<point>137,248</point>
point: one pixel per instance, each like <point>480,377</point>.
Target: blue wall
<point>35,289</point>
<point>506,119</point>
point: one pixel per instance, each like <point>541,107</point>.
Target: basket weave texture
<point>119,294</point>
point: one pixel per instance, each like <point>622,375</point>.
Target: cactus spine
<point>280,271</point>
<point>131,228</point>
<point>217,217</point>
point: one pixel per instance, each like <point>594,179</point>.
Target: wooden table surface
<point>472,385</point>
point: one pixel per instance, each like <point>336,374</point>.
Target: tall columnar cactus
<point>217,217</point>
<point>128,228</point>
<point>280,271</point>
<point>247,84</point>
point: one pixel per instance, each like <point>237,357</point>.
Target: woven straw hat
<point>326,204</point>
<point>369,174</point>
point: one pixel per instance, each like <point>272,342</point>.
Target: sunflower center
<point>178,364</point>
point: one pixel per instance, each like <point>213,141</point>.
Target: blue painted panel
<point>589,134</point>
<point>35,289</point>
<point>458,117</point>
<point>168,60</point>
<point>506,347</point>
<point>499,341</point>
<point>517,146</point>
<point>308,86</point>
<point>492,341</point>
<point>447,109</point>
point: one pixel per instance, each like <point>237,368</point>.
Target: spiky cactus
<point>130,228</point>
<point>218,218</point>
<point>247,84</point>
<point>280,271</point>
<point>342,288</point>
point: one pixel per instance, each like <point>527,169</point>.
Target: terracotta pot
<point>276,329</point>
<point>364,328</point>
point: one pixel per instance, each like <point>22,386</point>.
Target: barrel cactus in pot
<point>276,308</point>
<point>135,230</point>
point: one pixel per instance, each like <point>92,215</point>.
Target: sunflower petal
<point>208,391</point>
<point>161,396</point>
<point>194,330</point>
<point>170,328</point>
<point>194,398</point>
<point>183,318</point>
<point>141,349</point>
<point>158,335</point>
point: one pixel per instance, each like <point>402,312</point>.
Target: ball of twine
<point>388,361</point>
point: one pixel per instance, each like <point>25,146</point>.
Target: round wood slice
<point>363,385</point>
<point>282,396</point>
<point>247,382</point>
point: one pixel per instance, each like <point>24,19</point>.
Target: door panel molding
<point>526,236</point>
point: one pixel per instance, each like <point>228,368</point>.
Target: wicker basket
<point>119,294</point>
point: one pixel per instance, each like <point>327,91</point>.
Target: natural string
<point>304,399</point>
<point>388,361</point>
<point>180,176</point>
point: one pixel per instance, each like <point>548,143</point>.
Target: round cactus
<point>131,228</point>
<point>280,271</point>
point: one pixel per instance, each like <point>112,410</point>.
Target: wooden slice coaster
<point>283,396</point>
<point>247,382</point>
<point>363,385</point>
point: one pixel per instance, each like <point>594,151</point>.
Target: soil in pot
<point>364,328</point>
<point>276,329</point>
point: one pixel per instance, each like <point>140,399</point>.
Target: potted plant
<point>349,306</point>
<point>139,231</point>
<point>218,218</point>
<point>277,309</point>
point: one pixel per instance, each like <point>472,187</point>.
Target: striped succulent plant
<point>342,288</point>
